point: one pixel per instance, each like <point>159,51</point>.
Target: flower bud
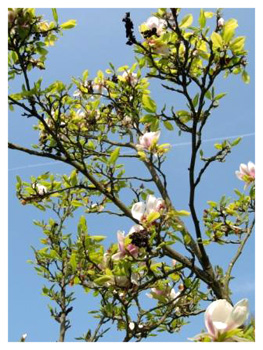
<point>220,22</point>
<point>181,287</point>
<point>131,326</point>
<point>23,338</point>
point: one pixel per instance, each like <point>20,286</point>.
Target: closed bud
<point>220,22</point>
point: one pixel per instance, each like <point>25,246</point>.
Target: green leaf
<point>85,74</point>
<point>97,238</point>
<point>76,280</point>
<point>195,100</point>
<point>182,213</point>
<point>83,223</point>
<point>208,95</point>
<point>183,113</point>
<point>69,24</point>
<point>114,156</point>
<point>168,125</point>
<point>187,239</point>
<point>245,77</point>
<point>238,44</point>
<point>218,146</point>
<point>229,30</point>
<point>219,96</point>
<point>148,104</point>
<point>100,74</point>
<point>209,14</point>
<point>202,19</point>
<point>45,291</point>
<point>142,155</point>
<point>148,118</point>
<point>76,203</point>
<point>74,178</point>
<point>212,204</point>
<point>73,262</point>
<point>55,15</point>
<point>186,21</point>
<point>152,217</point>
<point>187,282</point>
<point>236,141</point>
<point>19,181</point>
<point>216,40</point>
<point>102,280</point>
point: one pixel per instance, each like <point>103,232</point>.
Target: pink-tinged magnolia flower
<point>157,23</point>
<point>130,77</point>
<point>161,294</point>
<point>141,210</point>
<point>221,316</point>
<point>246,173</point>
<point>130,249</point>
<point>41,190</point>
<point>148,139</point>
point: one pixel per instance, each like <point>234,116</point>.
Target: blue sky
<point>99,38</point>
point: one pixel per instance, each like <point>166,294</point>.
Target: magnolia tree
<point>94,125</point>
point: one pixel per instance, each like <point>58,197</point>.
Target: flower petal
<point>210,325</point>
<point>135,228</point>
<point>251,169</point>
<point>239,313</point>
<point>243,169</point>
<point>138,210</point>
<point>121,239</point>
<point>217,314</point>
<point>239,175</point>
<point>150,203</point>
<point>117,256</point>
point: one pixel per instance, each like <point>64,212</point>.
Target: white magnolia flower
<point>141,210</point>
<point>157,23</point>
<point>99,87</point>
<point>125,281</point>
<point>221,316</point>
<point>148,139</point>
<point>130,77</point>
<point>80,113</point>
<point>41,190</point>
<point>126,121</point>
<point>77,93</point>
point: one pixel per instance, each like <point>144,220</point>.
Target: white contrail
<point>55,162</point>
<point>214,139</point>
